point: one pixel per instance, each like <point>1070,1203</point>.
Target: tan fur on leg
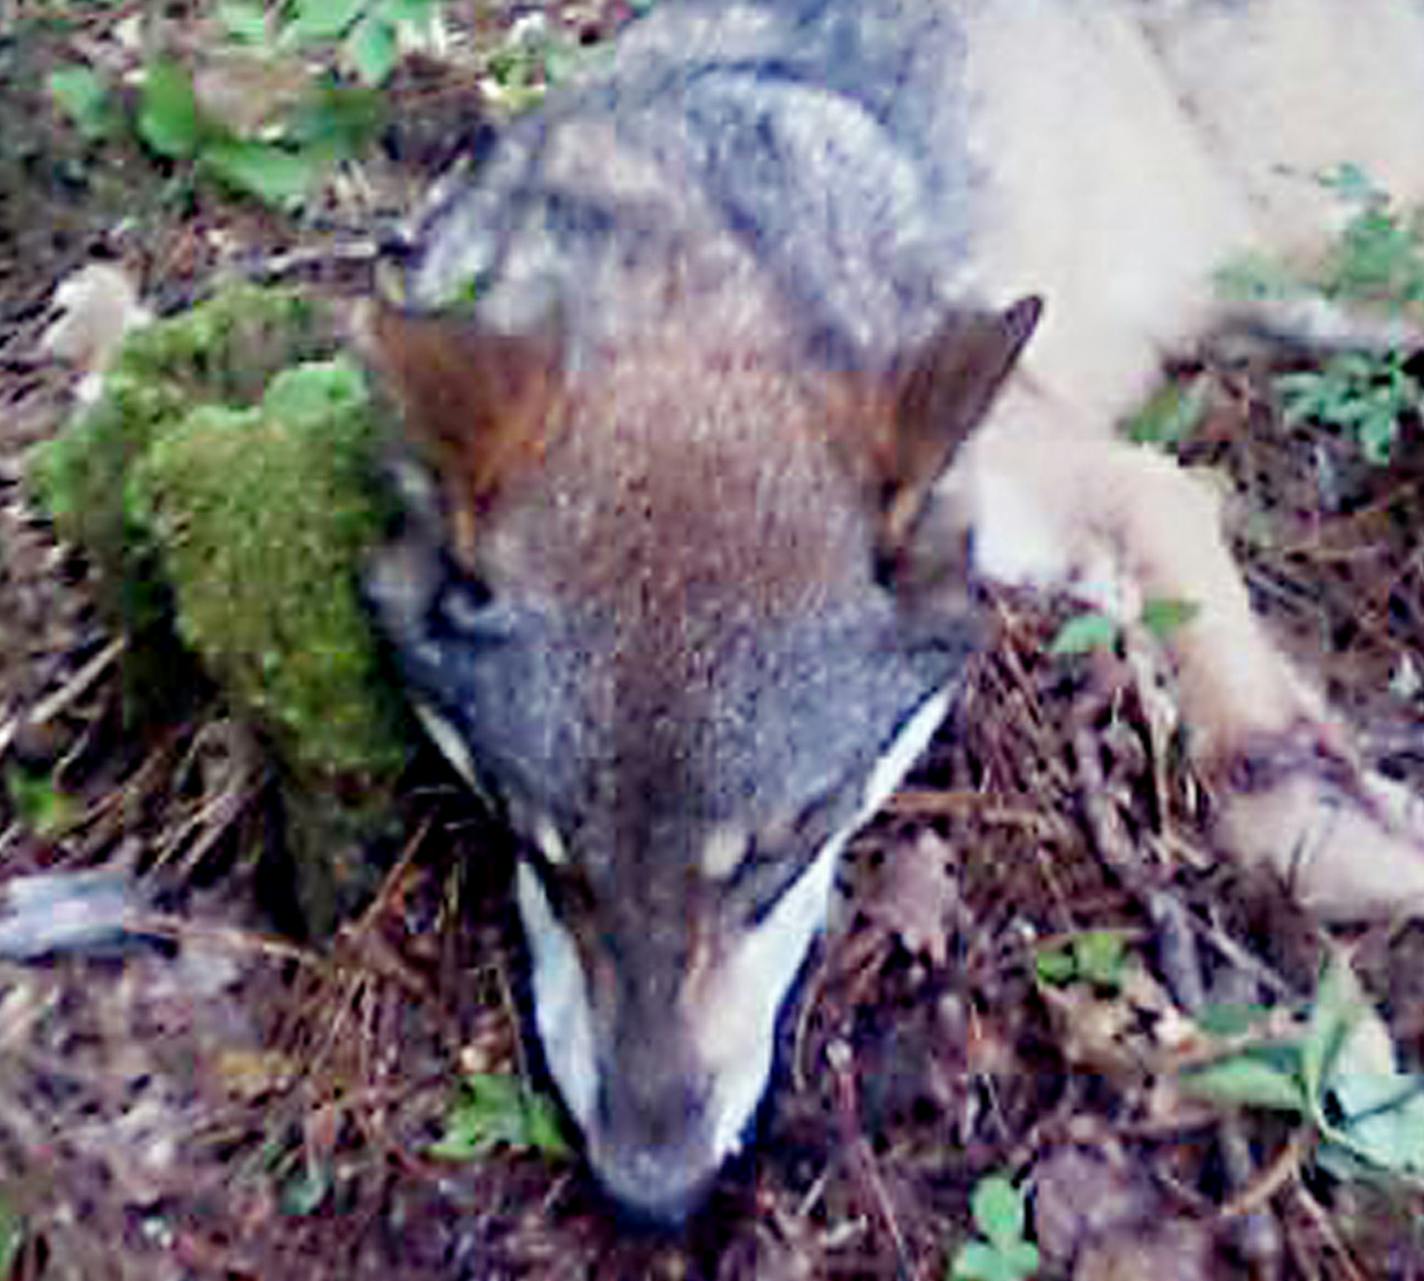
<point>1118,526</point>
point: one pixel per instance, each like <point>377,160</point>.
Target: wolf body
<point>786,319</point>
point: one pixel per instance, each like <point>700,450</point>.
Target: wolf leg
<point>1118,526</point>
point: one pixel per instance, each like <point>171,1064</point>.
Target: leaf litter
<point>229,1100</point>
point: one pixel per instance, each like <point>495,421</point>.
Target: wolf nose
<point>655,1189</point>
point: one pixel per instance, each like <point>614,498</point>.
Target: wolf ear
<point>480,404</point>
<point>938,397</point>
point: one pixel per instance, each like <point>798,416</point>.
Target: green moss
<point>224,484</point>
<point>222,352</point>
<point>262,516</point>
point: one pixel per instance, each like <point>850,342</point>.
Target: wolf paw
<point>1348,841</point>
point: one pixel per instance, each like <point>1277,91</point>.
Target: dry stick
<point>1257,1231</point>
<point>232,938</point>
<point>1244,961</point>
<point>1259,1234</point>
<point>1281,1172</point>
<point>75,687</point>
<point>213,820</point>
<point>840,1056</point>
<point>1327,1231</point>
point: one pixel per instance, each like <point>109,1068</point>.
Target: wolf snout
<point>652,1142</point>
<point>657,1178</point>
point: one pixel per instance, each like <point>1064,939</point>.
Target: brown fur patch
<point>692,473</point>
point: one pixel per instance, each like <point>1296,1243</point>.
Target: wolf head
<point>688,616</point>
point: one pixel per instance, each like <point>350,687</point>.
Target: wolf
<point>727,373</point>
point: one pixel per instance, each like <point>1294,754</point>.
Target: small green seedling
<point>495,1110</point>
<point>1096,957</point>
<point>313,122</point>
<point>1002,1254</point>
<point>79,91</point>
<point>1377,263</point>
<point>532,59</point>
<point>1170,416</point>
<point>1377,260</point>
<point>280,165</point>
<point>305,1188</point>
<point>1164,616</point>
<point>303,1180</point>
<point>1338,1075</point>
<point>368,31</point>
<point>38,803</point>
<point>1086,632</point>
<point>1378,257</point>
<point>12,1237</point>
<point>1083,633</point>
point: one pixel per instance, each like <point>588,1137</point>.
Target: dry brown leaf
<point>916,896</point>
<point>246,91</point>
<point>98,305</point>
<point>1080,1195</point>
<point>1178,1250</point>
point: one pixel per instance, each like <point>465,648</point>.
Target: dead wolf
<point>730,367</point>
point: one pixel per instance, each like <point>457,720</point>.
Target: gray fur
<point>809,148</point>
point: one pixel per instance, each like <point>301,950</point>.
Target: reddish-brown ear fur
<point>939,396</point>
<point>482,404</point>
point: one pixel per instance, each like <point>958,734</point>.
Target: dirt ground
<point>239,1103</point>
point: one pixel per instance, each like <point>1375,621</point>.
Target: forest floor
<point>1026,942</point>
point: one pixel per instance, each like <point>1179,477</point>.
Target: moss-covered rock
<point>261,517</point>
<point>226,486</point>
<point>223,352</point>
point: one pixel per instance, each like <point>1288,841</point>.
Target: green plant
<point>533,58</point>
<point>1162,616</point>
<point>1094,956</point>
<point>1002,1253</point>
<point>258,119</point>
<point>1376,262</point>
<point>1086,632</point>
<point>1170,415</point>
<point>12,1237</point>
<point>1335,1072</point>
<point>277,160</point>
<point>495,1109</point>
<point>277,156</point>
<point>305,1188</point>
<point>38,803</point>
<point>1378,257</point>
<point>1363,393</point>
<point>79,91</point>
<point>298,1172</point>
<point>367,32</point>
